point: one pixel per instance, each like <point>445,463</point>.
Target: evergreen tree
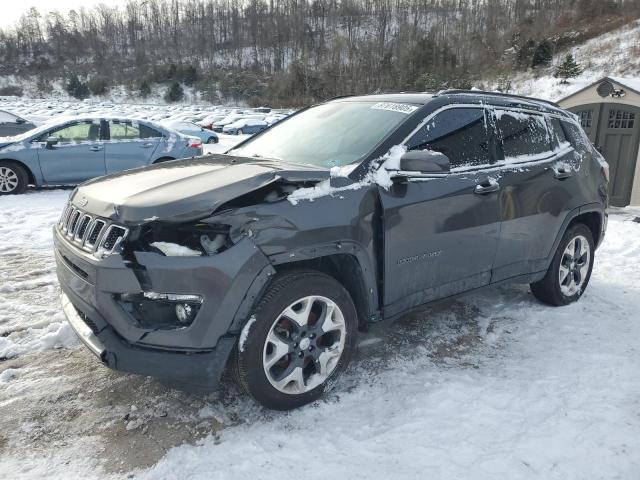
<point>76,88</point>
<point>145,89</point>
<point>569,68</point>
<point>542,55</point>
<point>190,75</point>
<point>175,93</point>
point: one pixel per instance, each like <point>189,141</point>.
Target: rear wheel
<point>240,132</point>
<point>570,270</point>
<point>300,338</point>
<point>13,178</point>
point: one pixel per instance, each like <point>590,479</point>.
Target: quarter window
<point>459,133</point>
<point>558,131</point>
<point>522,133</point>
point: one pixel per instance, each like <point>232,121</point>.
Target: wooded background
<point>292,52</point>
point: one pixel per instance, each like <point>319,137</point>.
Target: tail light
<point>194,143</point>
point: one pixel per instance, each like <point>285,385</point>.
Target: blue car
<point>194,130</point>
<point>74,150</point>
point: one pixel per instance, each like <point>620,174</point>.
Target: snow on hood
<point>183,190</point>
<point>378,174</point>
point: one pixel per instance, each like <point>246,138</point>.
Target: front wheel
<point>300,338</point>
<point>13,178</point>
<point>239,132</point>
<point>212,140</point>
<point>570,269</point>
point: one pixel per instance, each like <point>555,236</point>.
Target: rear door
<point>441,233</point>
<point>538,177</point>
<point>78,155</point>
<point>131,144</point>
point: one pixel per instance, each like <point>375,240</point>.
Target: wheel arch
<point>31,176</point>
<point>352,272</point>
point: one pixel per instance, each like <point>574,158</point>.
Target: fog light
<point>185,313</point>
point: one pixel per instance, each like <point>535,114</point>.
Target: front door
<point>77,156</point>
<point>441,234</point>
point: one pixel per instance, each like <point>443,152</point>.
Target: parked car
<point>194,130</point>
<point>220,124</point>
<point>11,124</point>
<point>265,260</point>
<point>245,126</point>
<point>74,150</point>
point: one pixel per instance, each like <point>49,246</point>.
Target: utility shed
<point>609,111</point>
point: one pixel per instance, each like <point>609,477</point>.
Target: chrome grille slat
<point>95,235</point>
<point>81,229</point>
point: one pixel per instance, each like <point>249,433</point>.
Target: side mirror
<point>20,121</point>
<point>51,141</point>
<point>425,162</point>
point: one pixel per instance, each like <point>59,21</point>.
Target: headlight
<point>161,311</point>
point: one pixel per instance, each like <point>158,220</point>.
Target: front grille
<point>94,235</point>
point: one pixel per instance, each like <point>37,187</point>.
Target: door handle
<point>562,171</point>
<point>95,148</point>
<point>146,145</point>
<point>487,186</point>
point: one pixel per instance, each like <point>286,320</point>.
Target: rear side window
<point>460,133</point>
<point>522,133</point>
<point>131,131</point>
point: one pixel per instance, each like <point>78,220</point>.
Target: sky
<point>12,10</point>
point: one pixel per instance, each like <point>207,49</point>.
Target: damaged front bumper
<point>195,354</point>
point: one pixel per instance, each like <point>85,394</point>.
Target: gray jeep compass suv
<point>269,259</point>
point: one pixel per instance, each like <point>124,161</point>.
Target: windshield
<point>328,135</point>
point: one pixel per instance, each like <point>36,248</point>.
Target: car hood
<point>183,190</point>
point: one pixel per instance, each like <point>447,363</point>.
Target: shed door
<point>615,130</point>
<point>618,137</point>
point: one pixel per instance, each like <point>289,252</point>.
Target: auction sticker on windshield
<point>395,107</point>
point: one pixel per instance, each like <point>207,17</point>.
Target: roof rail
<point>497,94</point>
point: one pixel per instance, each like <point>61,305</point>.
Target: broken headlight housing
<point>161,311</point>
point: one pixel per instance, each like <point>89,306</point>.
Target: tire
<point>310,357</point>
<point>13,178</point>
<point>239,132</point>
<point>573,261</point>
<point>162,160</point>
<point>212,140</point>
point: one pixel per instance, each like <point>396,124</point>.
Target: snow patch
<point>175,250</point>
<point>245,333</point>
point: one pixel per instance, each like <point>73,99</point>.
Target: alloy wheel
<point>8,180</point>
<point>304,345</point>
<point>574,266</point>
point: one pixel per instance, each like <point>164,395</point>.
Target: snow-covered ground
<point>491,385</point>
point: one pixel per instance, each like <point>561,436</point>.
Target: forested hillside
<point>291,52</point>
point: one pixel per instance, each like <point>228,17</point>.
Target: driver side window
<point>460,133</point>
<point>75,133</point>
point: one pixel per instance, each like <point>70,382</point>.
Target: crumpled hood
<point>183,190</point>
